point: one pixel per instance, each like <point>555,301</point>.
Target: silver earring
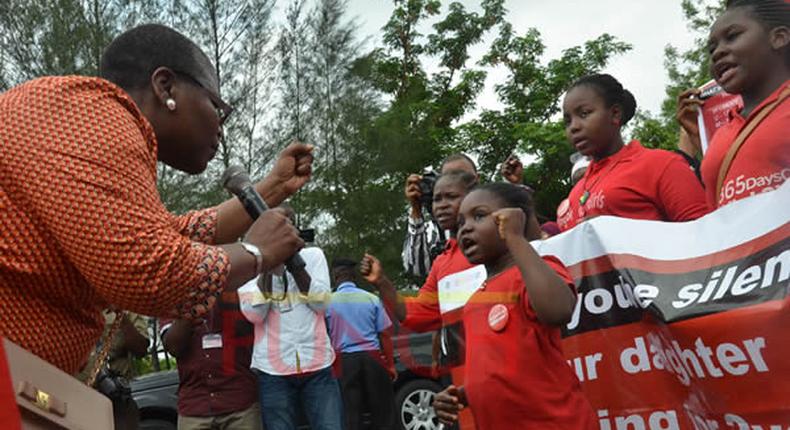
<point>171,104</point>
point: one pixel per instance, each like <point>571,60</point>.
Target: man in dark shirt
<point>217,389</point>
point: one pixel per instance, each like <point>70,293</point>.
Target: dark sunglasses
<point>223,109</point>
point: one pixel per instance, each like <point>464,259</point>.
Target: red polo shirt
<point>217,380</point>
<point>636,183</point>
<point>763,162</point>
<point>517,376</point>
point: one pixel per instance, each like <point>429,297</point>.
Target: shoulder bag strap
<point>743,135</point>
<point>105,348</point>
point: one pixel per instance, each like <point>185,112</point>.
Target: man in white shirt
<point>292,354</point>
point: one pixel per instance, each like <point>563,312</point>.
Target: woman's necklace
<point>586,194</point>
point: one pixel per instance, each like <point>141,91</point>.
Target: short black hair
<point>342,262</point>
<point>771,13</point>
<point>132,57</point>
<point>612,92</point>
<point>466,179</point>
<point>460,156</point>
<point>512,196</point>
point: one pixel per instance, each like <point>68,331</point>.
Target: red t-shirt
<point>517,378</point>
<point>636,183</point>
<point>426,312</point>
<point>423,313</point>
<point>763,162</point>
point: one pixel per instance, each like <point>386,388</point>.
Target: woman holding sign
<point>622,180</point>
<point>749,46</point>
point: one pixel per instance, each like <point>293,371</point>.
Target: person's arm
<point>449,403</point>
<point>371,269</point>
<point>291,171</point>
<point>385,329</point>
<point>687,112</point>
<point>419,313</point>
<point>253,303</point>
<point>680,195</point>
<point>133,341</point>
<point>388,351</point>
<point>176,339</point>
<point>513,170</point>
<point>551,298</point>
<point>315,286</point>
<point>688,150</point>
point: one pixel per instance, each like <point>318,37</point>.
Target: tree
<point>531,98</point>
<point>686,69</point>
<point>62,37</point>
<point>417,126</point>
<point>295,121</point>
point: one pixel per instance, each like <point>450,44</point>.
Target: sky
<point>648,25</point>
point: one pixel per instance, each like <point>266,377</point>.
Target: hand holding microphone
<point>272,232</point>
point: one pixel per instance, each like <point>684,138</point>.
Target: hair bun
<point>628,103</point>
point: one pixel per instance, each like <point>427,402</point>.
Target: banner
<point>683,325</point>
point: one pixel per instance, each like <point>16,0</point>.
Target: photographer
<point>80,209</point>
<point>425,240</point>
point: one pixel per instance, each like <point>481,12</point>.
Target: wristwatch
<point>256,252</point>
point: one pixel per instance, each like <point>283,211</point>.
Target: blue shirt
<point>355,318</point>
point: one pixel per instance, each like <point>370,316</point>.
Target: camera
<point>426,190</point>
<point>307,235</point>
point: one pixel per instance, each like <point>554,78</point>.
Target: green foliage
<point>367,147</point>
<point>686,69</point>
<point>61,37</point>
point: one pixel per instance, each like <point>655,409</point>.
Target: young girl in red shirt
<point>451,280</point>
<point>749,45</point>
<point>516,375</point>
<point>628,181</point>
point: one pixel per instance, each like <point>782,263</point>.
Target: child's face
<point>478,234</point>
<point>447,197</point>
<point>590,126</point>
<point>740,50</point>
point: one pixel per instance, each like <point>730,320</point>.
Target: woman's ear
<point>617,115</point>
<point>779,37</point>
<point>162,84</point>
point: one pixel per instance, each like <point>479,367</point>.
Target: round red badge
<point>498,317</point>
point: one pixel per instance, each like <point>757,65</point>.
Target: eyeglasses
<point>223,109</point>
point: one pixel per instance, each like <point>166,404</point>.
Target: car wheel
<point>156,424</point>
<point>415,405</point>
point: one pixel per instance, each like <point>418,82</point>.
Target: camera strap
<point>101,359</point>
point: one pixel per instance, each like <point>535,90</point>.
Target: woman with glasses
<point>82,224</point>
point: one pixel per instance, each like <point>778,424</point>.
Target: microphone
<point>238,183</point>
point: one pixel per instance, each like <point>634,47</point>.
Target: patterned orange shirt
<point>83,225</point>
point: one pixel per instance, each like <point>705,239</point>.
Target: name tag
<point>456,289</point>
<point>212,341</point>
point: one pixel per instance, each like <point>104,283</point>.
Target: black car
<point>156,393</point>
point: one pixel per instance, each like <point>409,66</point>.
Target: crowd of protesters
<point>97,237</point>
